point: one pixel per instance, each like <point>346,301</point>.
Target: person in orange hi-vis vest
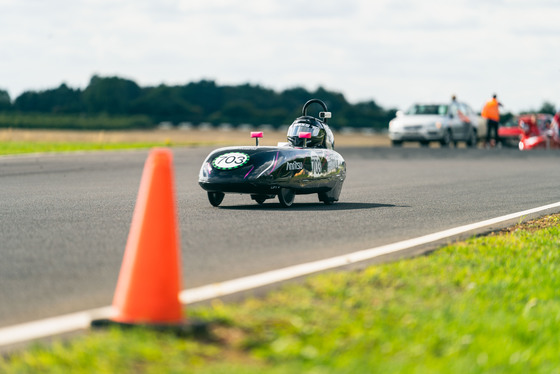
<point>491,112</point>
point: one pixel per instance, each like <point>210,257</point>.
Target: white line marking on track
<point>81,320</point>
<point>52,326</point>
<point>254,281</point>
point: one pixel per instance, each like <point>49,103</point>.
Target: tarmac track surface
<point>64,219</point>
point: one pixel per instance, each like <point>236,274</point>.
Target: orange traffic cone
<point>149,282</point>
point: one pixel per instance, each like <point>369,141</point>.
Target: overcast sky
<point>395,52</point>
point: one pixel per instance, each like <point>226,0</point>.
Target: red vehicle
<point>510,133</point>
<point>538,131</point>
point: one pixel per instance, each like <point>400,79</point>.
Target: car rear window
<point>432,109</point>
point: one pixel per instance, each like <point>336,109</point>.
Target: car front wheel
<point>447,139</point>
<point>215,198</point>
<point>471,139</point>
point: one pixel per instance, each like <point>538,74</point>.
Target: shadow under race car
<point>306,164</point>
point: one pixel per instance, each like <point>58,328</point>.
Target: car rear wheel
<point>216,198</point>
<point>396,143</point>
<point>286,197</point>
<point>324,197</point>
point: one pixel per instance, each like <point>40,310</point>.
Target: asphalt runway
<point>64,219</point>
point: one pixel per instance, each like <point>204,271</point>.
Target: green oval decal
<point>231,160</point>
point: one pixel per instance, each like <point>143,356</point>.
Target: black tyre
<point>216,198</point>
<point>286,197</point>
<point>259,199</point>
<point>324,197</point>
<point>447,139</point>
<point>396,143</point>
<point>471,139</point>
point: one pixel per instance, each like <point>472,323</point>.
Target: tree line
<point>115,102</point>
<point>119,103</point>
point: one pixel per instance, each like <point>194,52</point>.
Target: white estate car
<point>444,123</point>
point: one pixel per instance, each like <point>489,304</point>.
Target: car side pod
<point>256,135</point>
<point>286,196</point>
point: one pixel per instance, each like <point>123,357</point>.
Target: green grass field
<point>18,141</point>
<point>10,148</point>
<point>13,142</point>
<point>487,305</point>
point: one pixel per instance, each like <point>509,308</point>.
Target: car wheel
<point>324,197</point>
<point>396,143</point>
<point>286,197</point>
<point>471,139</point>
<point>259,199</point>
<point>216,198</point>
<point>447,139</point>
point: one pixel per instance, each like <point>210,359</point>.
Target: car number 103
<point>230,160</point>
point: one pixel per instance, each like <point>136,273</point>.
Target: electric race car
<point>306,164</point>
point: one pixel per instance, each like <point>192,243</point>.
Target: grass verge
<point>48,141</point>
<point>487,305</point>
<point>17,141</point>
<point>11,148</point>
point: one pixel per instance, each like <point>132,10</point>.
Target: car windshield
<point>294,130</point>
<point>433,109</point>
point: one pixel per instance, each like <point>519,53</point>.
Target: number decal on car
<point>231,160</point>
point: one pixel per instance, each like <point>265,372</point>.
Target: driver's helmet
<point>321,134</point>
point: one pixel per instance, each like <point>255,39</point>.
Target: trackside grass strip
<point>487,305</point>
<point>10,148</point>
